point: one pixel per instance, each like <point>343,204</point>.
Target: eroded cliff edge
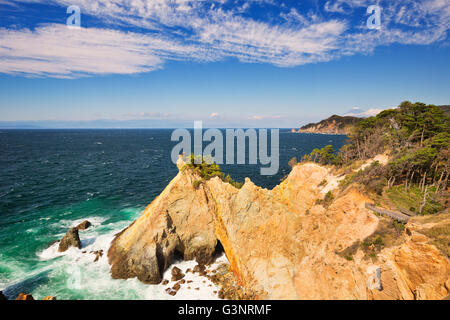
<point>280,243</point>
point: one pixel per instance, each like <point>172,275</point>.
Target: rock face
<point>24,296</point>
<point>178,223</point>
<point>177,274</point>
<point>414,270</point>
<point>280,243</point>
<point>333,125</point>
<point>84,225</point>
<point>98,254</point>
<point>71,239</point>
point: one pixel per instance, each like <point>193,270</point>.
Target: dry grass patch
<point>389,233</point>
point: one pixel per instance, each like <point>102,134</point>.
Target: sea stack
<point>71,239</point>
<point>84,225</point>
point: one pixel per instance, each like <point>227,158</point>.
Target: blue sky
<point>261,63</point>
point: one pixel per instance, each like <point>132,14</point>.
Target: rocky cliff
<point>333,125</point>
<point>281,243</point>
<point>180,222</point>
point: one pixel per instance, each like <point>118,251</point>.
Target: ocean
<point>51,180</point>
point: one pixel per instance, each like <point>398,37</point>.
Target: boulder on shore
<point>24,296</point>
<point>71,239</point>
<point>98,254</point>
<point>2,296</point>
<point>200,268</point>
<point>177,274</point>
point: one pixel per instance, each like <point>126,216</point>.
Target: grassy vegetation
<point>399,226</point>
<point>440,237</point>
<point>412,199</point>
<point>326,201</point>
<point>371,178</point>
<point>376,242</point>
<point>206,169</point>
<point>417,138</point>
<point>348,168</point>
<point>197,184</point>
<point>323,183</point>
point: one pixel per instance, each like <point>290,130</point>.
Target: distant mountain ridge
<point>333,125</point>
<point>342,124</point>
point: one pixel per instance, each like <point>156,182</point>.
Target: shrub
<point>417,136</point>
<point>293,162</point>
<point>197,183</point>
<point>324,156</point>
<point>372,178</point>
<point>235,184</point>
<point>399,226</point>
<point>376,186</point>
<point>326,201</point>
<point>207,169</point>
<point>378,241</point>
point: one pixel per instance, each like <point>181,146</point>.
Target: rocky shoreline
<point>282,243</point>
<point>25,297</point>
<point>220,275</point>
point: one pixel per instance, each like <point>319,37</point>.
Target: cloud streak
<point>357,112</point>
<point>206,31</point>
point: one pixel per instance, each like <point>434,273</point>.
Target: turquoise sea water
<point>51,180</point>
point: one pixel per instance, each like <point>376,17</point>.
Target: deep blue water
<point>51,179</point>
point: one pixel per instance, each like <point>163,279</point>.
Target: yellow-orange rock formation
<point>279,242</point>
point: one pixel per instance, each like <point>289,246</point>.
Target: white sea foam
<point>67,224</point>
<point>205,287</point>
<point>80,275</point>
<point>51,252</point>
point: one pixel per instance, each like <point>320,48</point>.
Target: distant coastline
<point>322,133</point>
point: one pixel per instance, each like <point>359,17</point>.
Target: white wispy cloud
<point>358,112</point>
<point>58,51</point>
<point>264,117</point>
<point>146,115</point>
<point>210,31</point>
